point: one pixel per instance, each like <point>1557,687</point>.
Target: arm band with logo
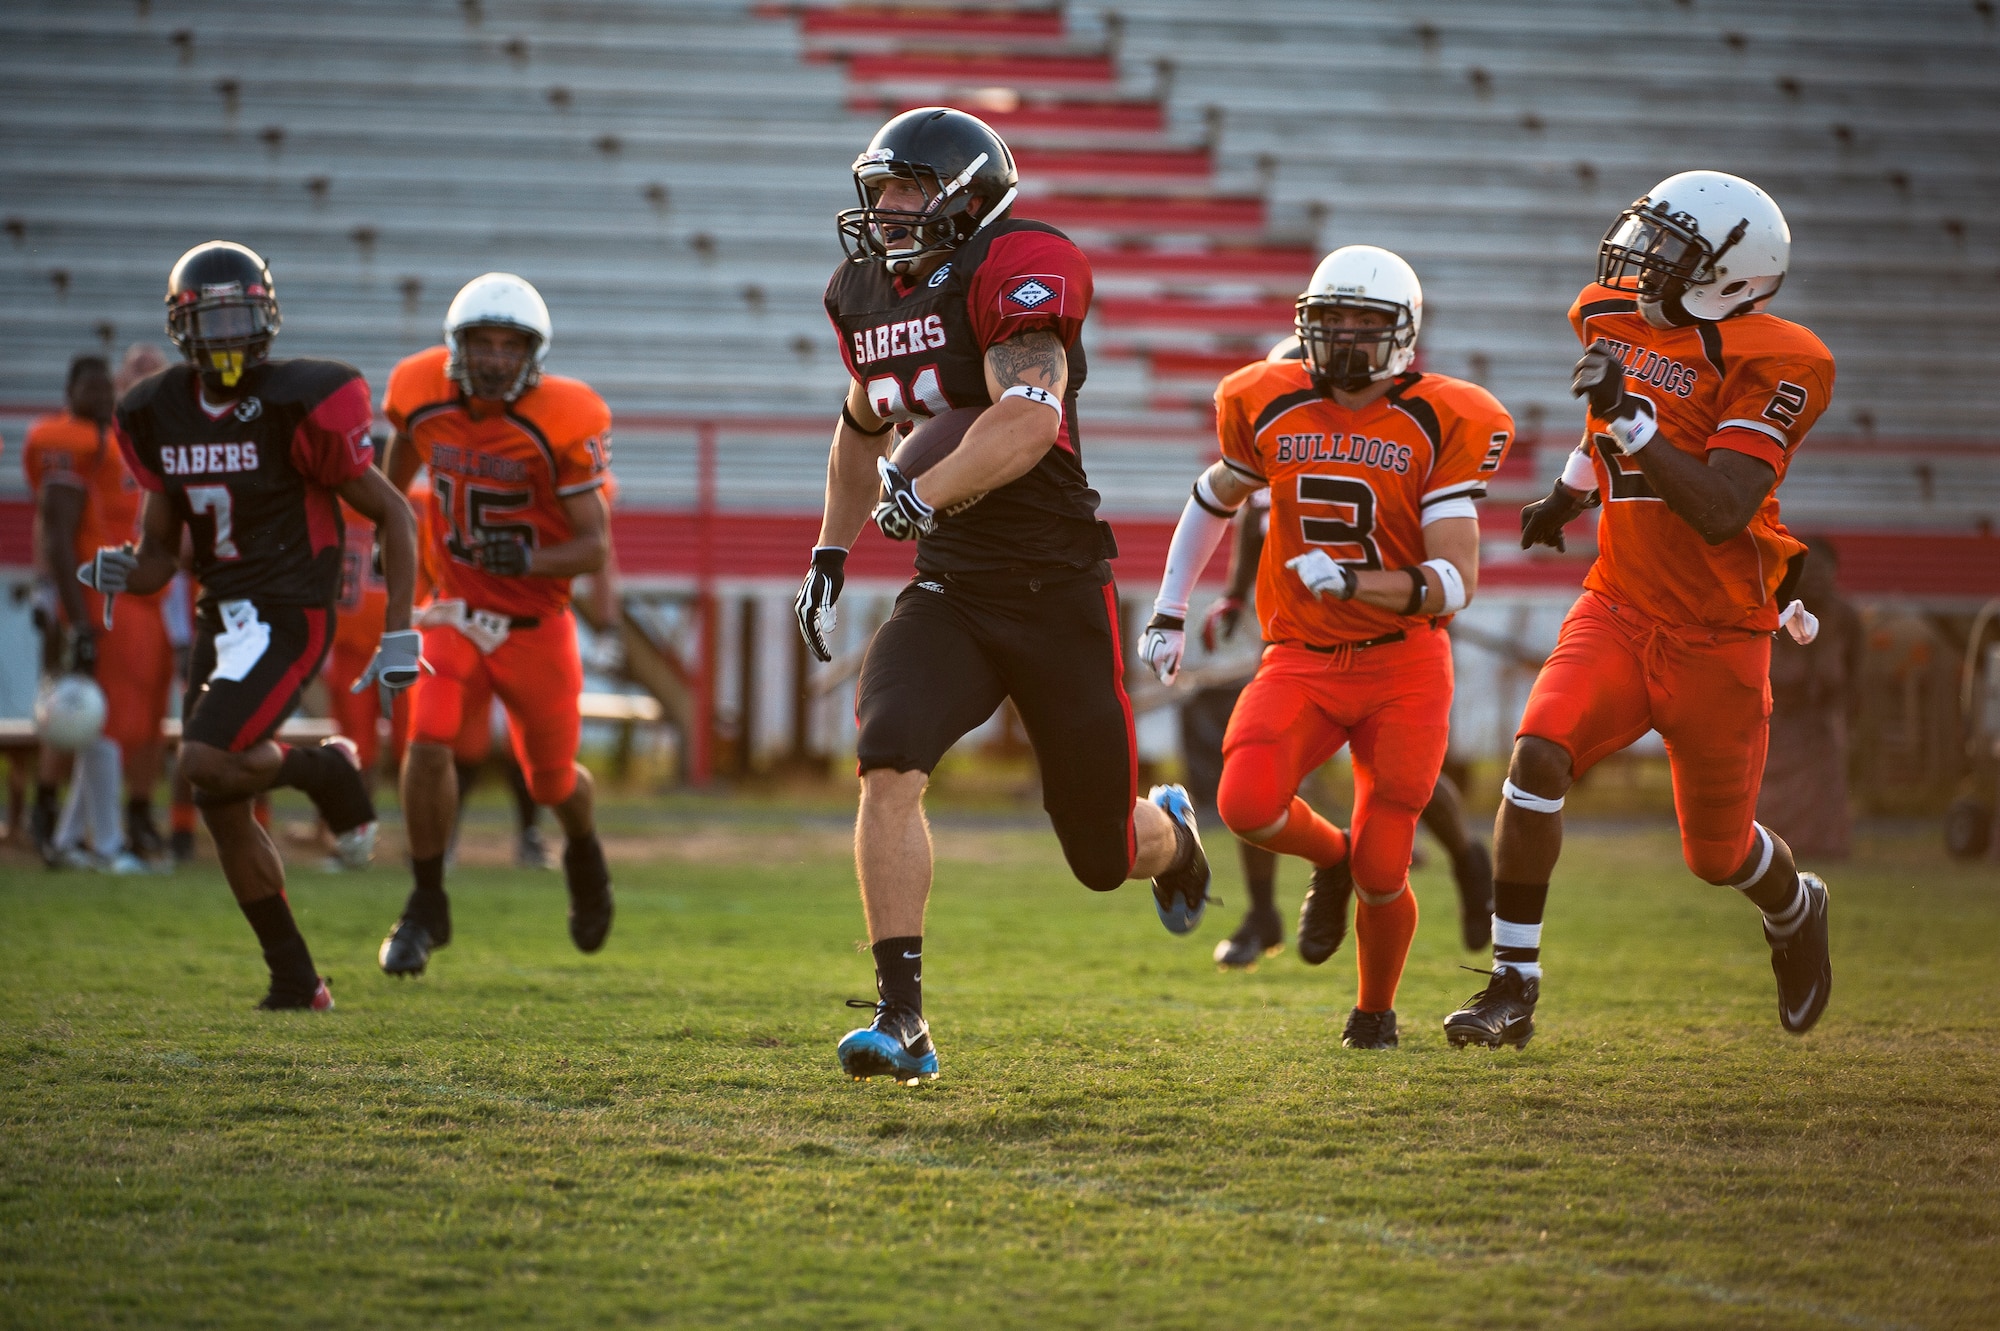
<point>860,429</point>
<point>1452,583</point>
<point>1041,395</point>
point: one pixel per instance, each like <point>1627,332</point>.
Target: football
<point>69,714</point>
<point>932,440</point>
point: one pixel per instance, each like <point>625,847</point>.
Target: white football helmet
<point>1712,243</point>
<point>1359,277</point>
<point>498,300</point>
<point>69,712</point>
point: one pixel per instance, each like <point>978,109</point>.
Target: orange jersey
<point>1357,484</point>
<point>70,450</point>
<point>500,475</point>
<point>1753,384</point>
<point>363,602</point>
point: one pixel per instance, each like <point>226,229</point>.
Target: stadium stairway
<point>666,172</point>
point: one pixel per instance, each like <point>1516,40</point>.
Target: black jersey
<point>919,349</point>
<point>255,482</point>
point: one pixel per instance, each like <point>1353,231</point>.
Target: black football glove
<point>1219,624</point>
<point>901,515</point>
<point>1542,522</point>
<point>814,604</point>
<point>504,558</point>
<point>1600,376</point>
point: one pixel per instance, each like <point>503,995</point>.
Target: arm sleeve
<point>148,479</point>
<point>1768,404</point>
<point>1234,436</point>
<point>583,463</point>
<point>1476,440</point>
<point>1029,281</point>
<point>331,446</point>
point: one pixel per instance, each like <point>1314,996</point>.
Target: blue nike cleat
<point>897,1045</point>
<point>1181,895</point>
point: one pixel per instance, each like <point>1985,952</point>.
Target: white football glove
<point>108,573</point>
<point>1162,645</point>
<point>1800,622</point>
<point>1324,576</point>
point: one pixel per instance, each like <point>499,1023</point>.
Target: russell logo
<point>249,409</point>
<point>941,276</point>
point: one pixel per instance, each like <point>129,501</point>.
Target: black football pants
<point>954,647</point>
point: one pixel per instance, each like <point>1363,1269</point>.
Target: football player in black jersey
<point>252,455</point>
<point>947,301</point>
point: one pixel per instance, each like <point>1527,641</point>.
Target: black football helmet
<point>955,158</point>
<point>222,310</point>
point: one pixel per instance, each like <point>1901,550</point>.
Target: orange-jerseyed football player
<point>364,600</point>
<point>1374,544</point>
<point>1698,401</point>
<point>85,496</point>
<point>518,462</point>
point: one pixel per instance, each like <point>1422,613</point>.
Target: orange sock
<point>1382,936</point>
<point>1309,836</point>
<point>182,817</point>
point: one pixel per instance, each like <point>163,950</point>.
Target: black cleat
<point>589,882</point>
<point>1802,964</point>
<point>297,998</point>
<point>181,844</point>
<point>1501,1013</point>
<point>1369,1030</point>
<point>407,950</point>
<point>1323,914</point>
<point>1474,877</point>
<point>897,1045</point>
<point>42,830</point>
<point>1262,934</point>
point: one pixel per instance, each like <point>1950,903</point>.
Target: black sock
<point>331,783</point>
<point>284,947</point>
<point>899,972</point>
<point>427,904</point>
<point>583,865</point>
<point>1260,875</point>
<point>45,795</point>
<point>526,811</point>
<point>1517,925</point>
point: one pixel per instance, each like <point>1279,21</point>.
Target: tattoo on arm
<point>1037,359</point>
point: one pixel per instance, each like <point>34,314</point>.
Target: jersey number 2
<point>1624,484</point>
<point>214,501</point>
<point>1325,525</point>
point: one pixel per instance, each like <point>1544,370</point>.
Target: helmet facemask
<point>1352,358</point>
<point>223,331</point>
<point>903,238</point>
<point>478,377</point>
<point>1658,255</point>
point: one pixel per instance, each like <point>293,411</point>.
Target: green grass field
<point>1122,1136</point>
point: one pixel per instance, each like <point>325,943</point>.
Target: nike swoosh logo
<point>912,956</point>
<point>1792,1017</point>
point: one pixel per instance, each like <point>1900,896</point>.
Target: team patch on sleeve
<point>1038,293</point>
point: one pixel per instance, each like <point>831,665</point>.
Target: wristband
<point>856,426</point>
<point>1452,583</point>
<point>1420,590</point>
<point>1033,394</point>
<point>1634,432</point>
<point>1578,473</point>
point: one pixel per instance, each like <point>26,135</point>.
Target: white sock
<point>1517,947</point>
<point>1785,921</point>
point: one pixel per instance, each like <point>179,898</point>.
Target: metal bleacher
<point>666,173</point>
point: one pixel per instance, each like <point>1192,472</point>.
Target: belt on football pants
<point>1330,649</point>
<point>513,621</point>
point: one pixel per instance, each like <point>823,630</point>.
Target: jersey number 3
<point>1339,510</point>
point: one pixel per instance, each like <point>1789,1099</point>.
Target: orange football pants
<point>538,677</point>
<point>1392,703</point>
<point>1615,674</point>
<point>135,667</point>
<point>357,712</point>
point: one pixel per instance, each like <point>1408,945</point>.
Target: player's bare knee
<point>884,788</point>
<point>1540,768</point>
